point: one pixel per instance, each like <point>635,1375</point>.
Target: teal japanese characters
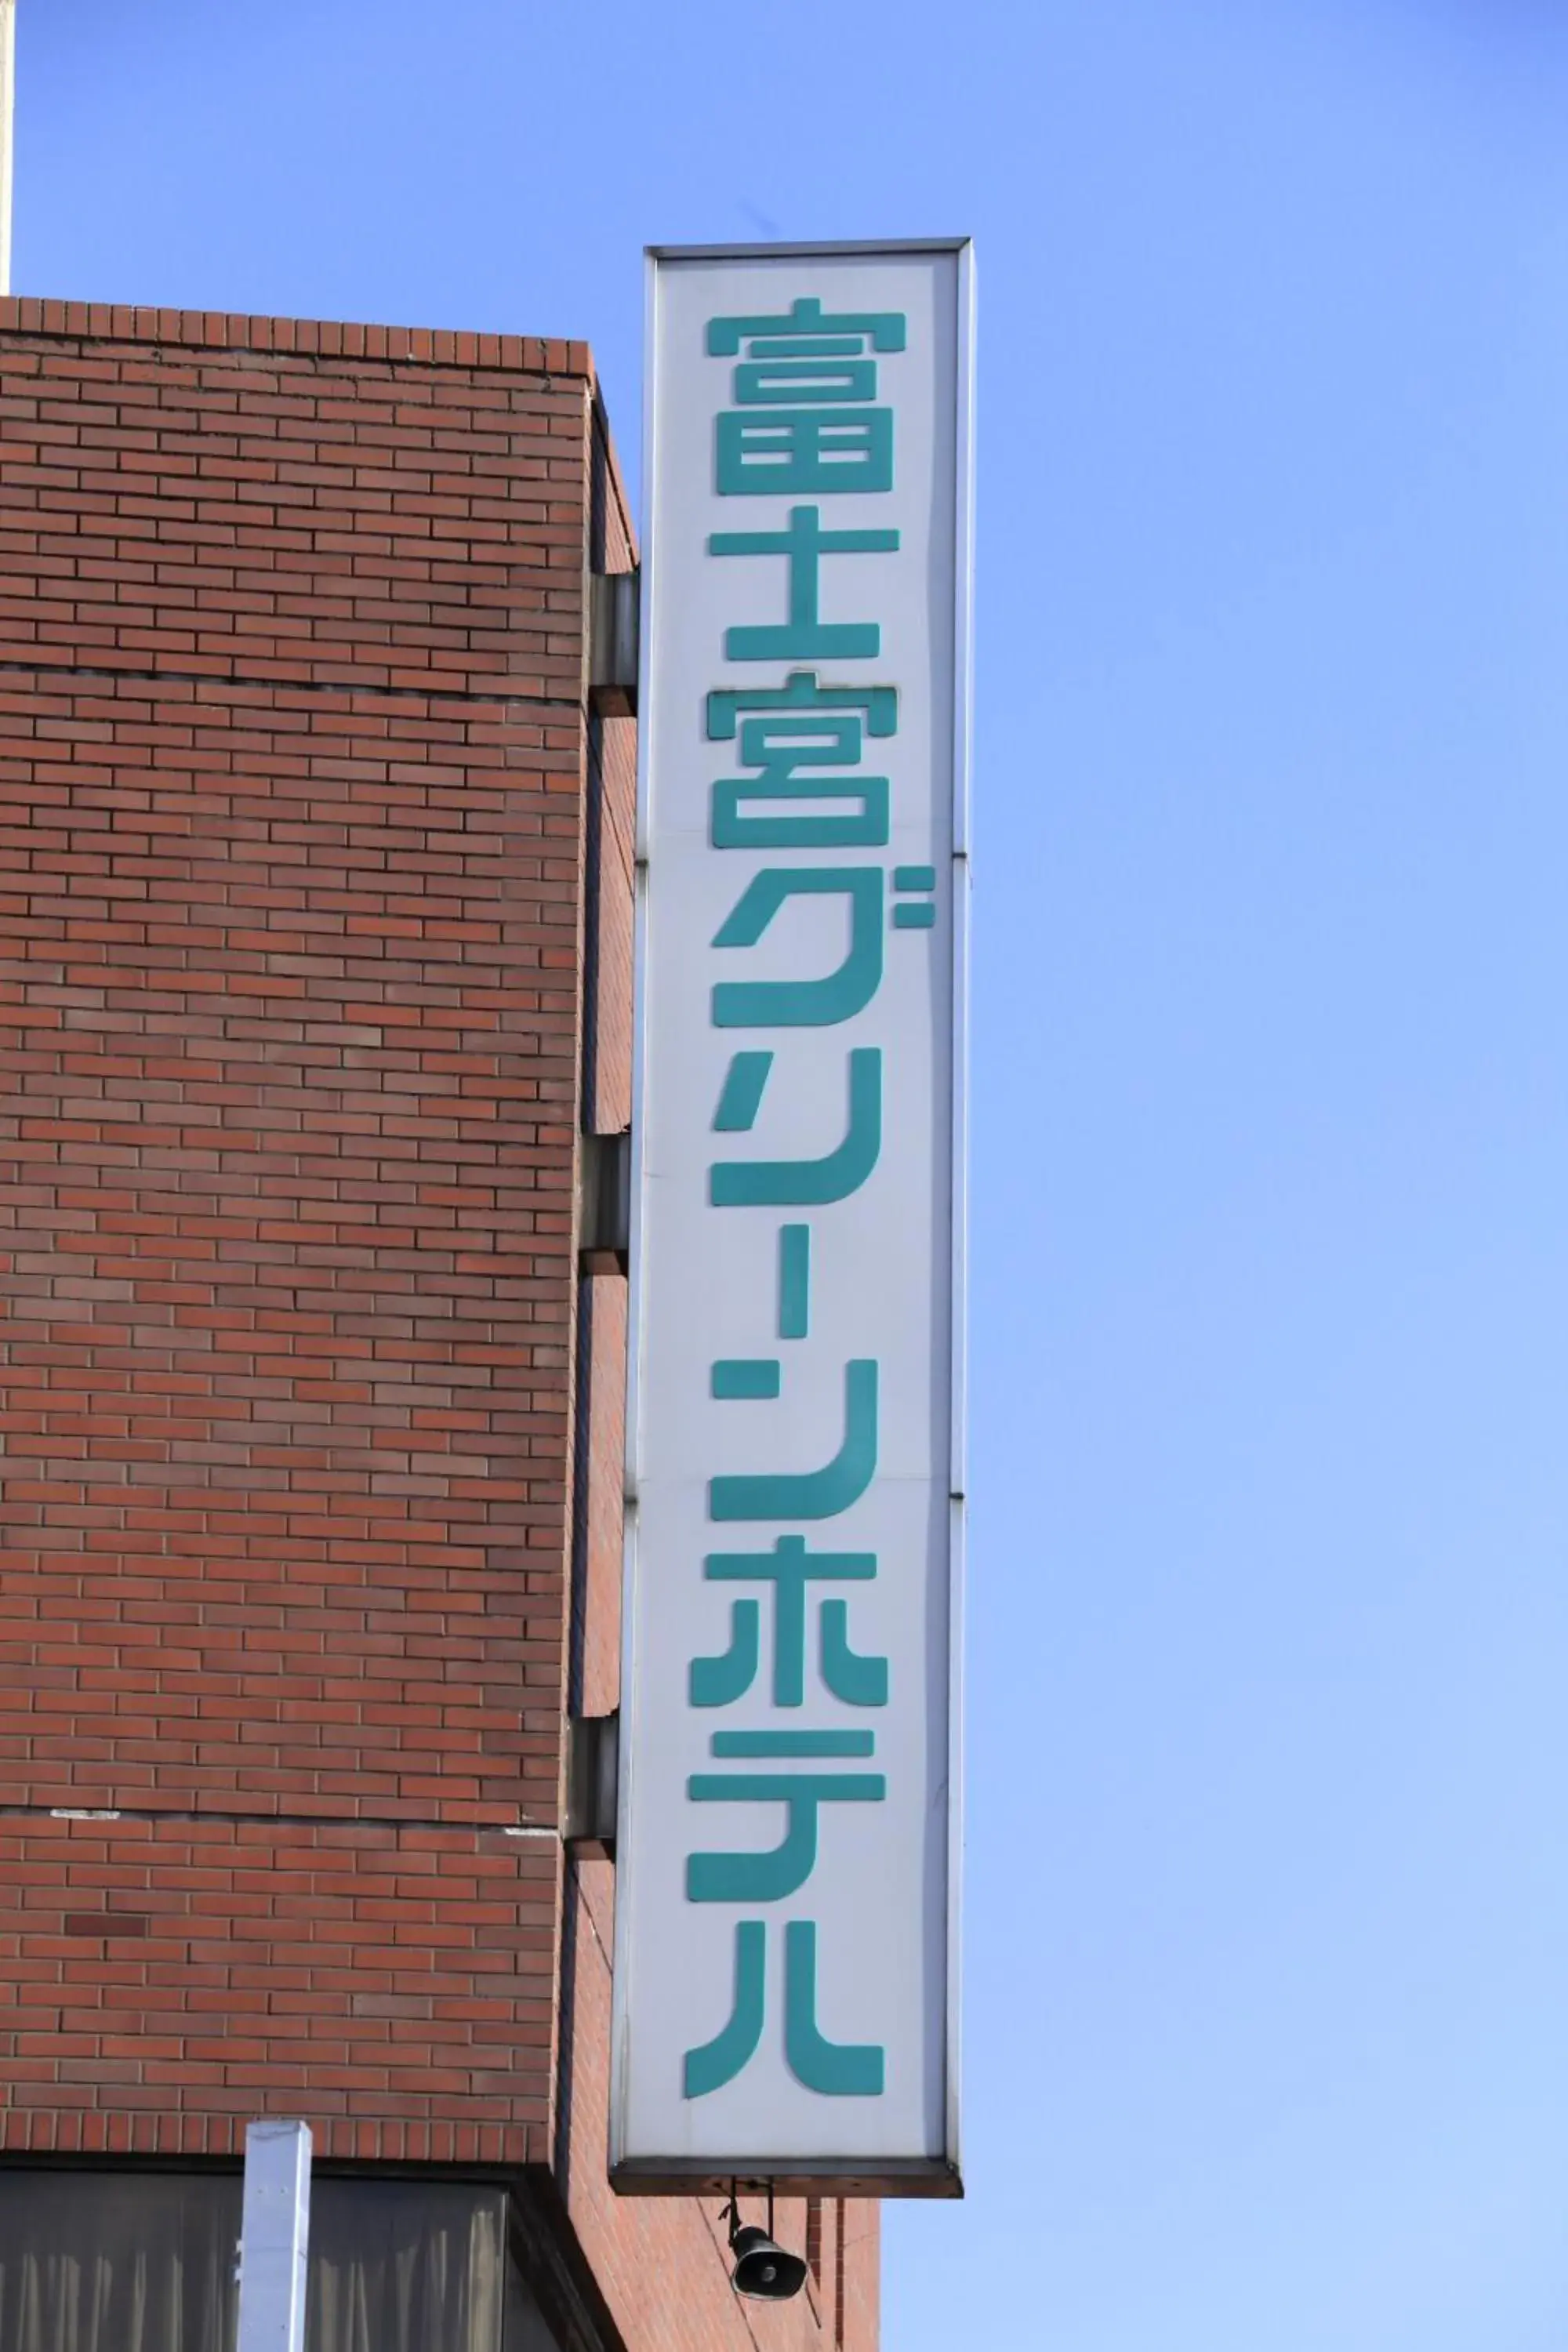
<point>800,822</point>
<point>807,417</point>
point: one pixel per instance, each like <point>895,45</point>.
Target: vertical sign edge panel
<point>805,423</point>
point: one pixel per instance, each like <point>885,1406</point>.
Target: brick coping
<point>29,314</point>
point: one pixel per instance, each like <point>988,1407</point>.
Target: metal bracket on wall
<point>275,2233</point>
<point>613,643</point>
<point>604,1203</point>
<point>592,1764</point>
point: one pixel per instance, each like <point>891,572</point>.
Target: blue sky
<point>1267,2018</point>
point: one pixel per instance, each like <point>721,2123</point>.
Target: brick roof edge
<point>29,314</point>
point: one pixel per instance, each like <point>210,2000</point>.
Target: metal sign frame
<point>937,2173</point>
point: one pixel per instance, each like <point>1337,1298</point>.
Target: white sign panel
<point>786,1884</point>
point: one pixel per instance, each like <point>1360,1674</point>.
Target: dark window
<point>143,2262</point>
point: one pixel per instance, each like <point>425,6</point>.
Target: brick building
<point>315,972</point>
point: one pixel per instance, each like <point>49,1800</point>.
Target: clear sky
<point>1267,1954</point>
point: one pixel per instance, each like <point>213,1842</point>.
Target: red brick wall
<point>292,777</point>
<point>315,950</point>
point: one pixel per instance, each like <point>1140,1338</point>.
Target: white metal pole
<point>7,133</point>
<point>275,2233</point>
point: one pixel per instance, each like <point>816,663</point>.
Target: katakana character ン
<point>812,1493</point>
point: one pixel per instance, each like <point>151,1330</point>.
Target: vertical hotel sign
<point>786,1975</point>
